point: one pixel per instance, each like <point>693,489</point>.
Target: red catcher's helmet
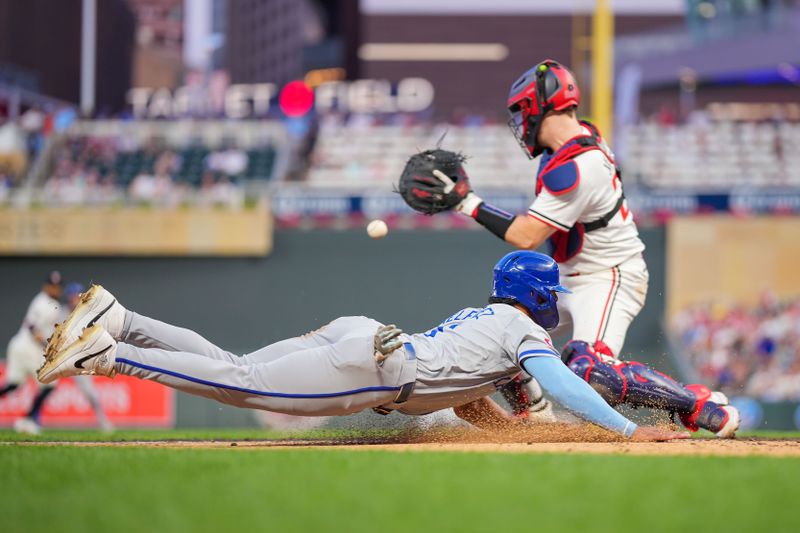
<point>548,86</point>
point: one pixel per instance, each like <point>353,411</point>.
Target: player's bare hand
<point>386,341</point>
<point>650,434</point>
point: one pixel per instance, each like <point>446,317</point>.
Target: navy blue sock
<point>8,388</point>
<point>38,402</point>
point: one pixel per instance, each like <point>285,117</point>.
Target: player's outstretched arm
<point>579,398</point>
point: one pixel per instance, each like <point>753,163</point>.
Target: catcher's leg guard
<point>626,382</point>
<point>638,385</point>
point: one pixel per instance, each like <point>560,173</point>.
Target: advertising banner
<point>127,402</point>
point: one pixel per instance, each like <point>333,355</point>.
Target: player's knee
<point>602,348</point>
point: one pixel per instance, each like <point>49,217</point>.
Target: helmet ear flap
<point>551,85</point>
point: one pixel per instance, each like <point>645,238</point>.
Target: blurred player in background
<point>72,297</point>
<point>25,351</point>
<point>581,213</point>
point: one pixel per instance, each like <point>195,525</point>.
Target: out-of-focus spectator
<point>231,161</point>
<point>5,188</point>
<point>666,116</point>
<point>156,188</point>
<point>149,188</point>
<point>754,351</point>
<point>226,194</point>
<point>32,123</point>
<point>108,192</point>
<point>219,193</point>
<point>13,152</point>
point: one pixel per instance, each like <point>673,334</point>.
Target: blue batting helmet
<point>73,289</point>
<point>530,279</point>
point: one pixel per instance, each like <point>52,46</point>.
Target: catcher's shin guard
<point>627,382</point>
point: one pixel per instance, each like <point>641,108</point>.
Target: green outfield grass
<point>62,488</point>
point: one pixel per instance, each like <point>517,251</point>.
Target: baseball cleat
<point>97,306</point>
<point>93,353</point>
<point>722,420</point>
<point>730,424</point>
<point>27,425</point>
<point>719,398</point>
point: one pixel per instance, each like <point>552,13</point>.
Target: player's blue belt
<point>406,389</point>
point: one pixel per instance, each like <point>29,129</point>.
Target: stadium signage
<point>127,402</point>
<point>239,101</point>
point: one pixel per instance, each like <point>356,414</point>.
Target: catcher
<point>581,213</point>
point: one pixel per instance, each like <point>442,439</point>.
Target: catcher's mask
<point>530,279</point>
<point>548,86</point>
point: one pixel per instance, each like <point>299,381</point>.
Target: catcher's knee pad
<point>628,382</point>
<point>591,366</point>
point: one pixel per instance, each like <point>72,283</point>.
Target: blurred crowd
<point>86,171</point>
<point>745,350</point>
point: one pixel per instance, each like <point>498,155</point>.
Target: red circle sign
<point>296,99</point>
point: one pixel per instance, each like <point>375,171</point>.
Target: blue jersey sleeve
<point>575,394</point>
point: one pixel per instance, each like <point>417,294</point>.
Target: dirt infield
<point>704,447</point>
<point>553,439</point>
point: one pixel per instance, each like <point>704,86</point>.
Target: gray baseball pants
<point>330,371</point>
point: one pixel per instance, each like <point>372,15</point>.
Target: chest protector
<point>558,173</point>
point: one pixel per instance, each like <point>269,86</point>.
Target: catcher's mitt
<point>434,181</point>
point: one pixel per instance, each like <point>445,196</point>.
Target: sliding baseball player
<point>353,363</point>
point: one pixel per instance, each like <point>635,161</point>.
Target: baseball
<point>377,229</point>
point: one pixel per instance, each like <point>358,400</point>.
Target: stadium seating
<point>98,161</point>
<point>357,156</point>
<point>126,165</point>
<point>713,156</point>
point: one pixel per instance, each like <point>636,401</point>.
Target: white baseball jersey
<point>25,354</point>
<point>595,192</point>
<point>43,313</point>
<point>471,354</point>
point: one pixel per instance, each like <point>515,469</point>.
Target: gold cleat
<point>95,306</point>
<point>91,354</point>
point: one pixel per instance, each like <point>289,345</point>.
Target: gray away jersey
<point>472,353</point>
